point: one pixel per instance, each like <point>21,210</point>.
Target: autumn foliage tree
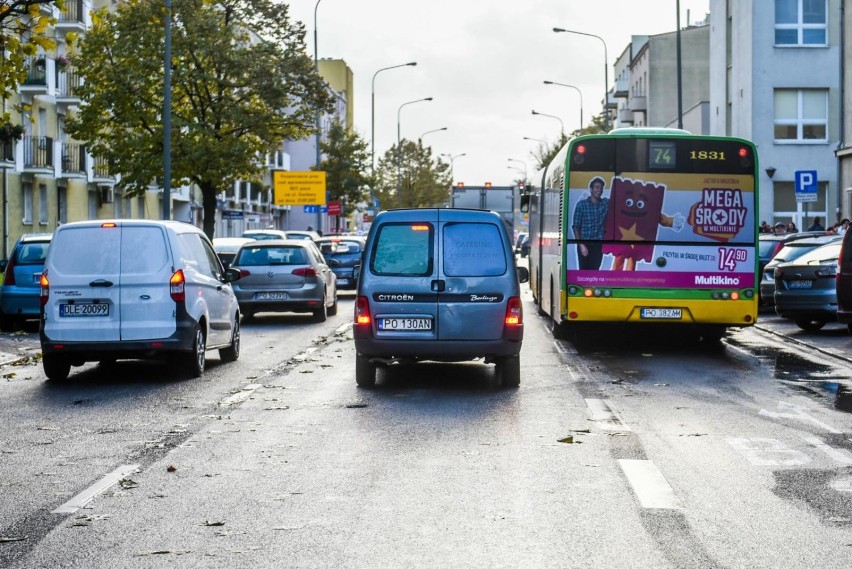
<point>242,83</point>
<point>421,180</point>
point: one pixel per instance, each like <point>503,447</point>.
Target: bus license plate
<point>86,309</point>
<point>403,324</point>
<point>664,313</point>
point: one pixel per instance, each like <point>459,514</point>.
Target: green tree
<point>346,162</point>
<point>242,83</point>
<point>422,180</point>
<point>23,32</point>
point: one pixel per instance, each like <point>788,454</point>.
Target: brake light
<point>305,272</point>
<point>362,312</point>
<point>44,294</point>
<point>420,228</point>
<point>109,225</point>
<point>514,312</point>
<point>177,286</point>
<point>9,276</point>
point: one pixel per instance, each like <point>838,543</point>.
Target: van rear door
<point>477,275</point>
<point>147,308</point>
<point>402,257</point>
<point>83,268</point>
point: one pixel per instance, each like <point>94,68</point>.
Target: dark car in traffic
<point>770,244</point>
<point>806,289</point>
<point>791,251</point>
<point>342,254</point>
<point>844,282</point>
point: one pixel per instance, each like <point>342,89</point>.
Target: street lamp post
<point>399,149</point>
<point>606,70</point>
<point>318,116</point>
<point>561,124</point>
<point>536,139</point>
<point>167,115</point>
<point>525,166</point>
<point>452,165</point>
<point>430,132</point>
<point>578,92</point>
<point>373,125</point>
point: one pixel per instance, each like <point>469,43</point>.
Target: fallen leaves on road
<point>128,484</point>
<point>162,552</point>
<point>171,468</point>
<point>210,523</point>
<point>569,439</point>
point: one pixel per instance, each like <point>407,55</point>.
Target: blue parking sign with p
<point>806,185</point>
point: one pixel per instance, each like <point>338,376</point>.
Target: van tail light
<point>362,312</point>
<point>514,312</point>
<point>177,286</point>
<point>44,294</point>
<point>9,276</point>
<point>305,272</point>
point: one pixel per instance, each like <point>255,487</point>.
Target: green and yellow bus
<point>647,225</point>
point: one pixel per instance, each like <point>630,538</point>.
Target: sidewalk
<point>15,346</point>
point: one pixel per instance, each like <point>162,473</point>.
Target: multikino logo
<point>720,214</point>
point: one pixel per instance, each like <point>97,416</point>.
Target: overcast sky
<point>484,63</point>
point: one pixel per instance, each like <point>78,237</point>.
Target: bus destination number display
<point>662,154</point>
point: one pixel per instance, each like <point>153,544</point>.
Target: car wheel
<point>810,325</point>
<point>232,352</point>
<point>365,371</point>
<point>508,371</point>
<point>193,362</point>
<point>56,368</point>
<point>321,313</point>
<point>7,322</point>
<point>332,310</point>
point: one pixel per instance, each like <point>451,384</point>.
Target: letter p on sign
<point>806,185</point>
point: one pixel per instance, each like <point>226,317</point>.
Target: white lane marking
<point>606,415</point>
<point>648,483</point>
<point>797,413</point>
<point>842,484</point>
<point>768,452</point>
<point>343,328</point>
<point>240,396</point>
<point>838,454</point>
<point>86,495</point>
<point>560,348</point>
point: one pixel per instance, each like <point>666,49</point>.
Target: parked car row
<point>809,281</point>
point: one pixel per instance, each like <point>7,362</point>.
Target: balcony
<point>38,154</point>
<point>68,83</point>
<point>101,172</point>
<point>36,80</point>
<point>72,19</point>
<point>638,104</point>
<point>621,88</point>
<point>625,116</point>
<point>7,154</point>
<point>73,163</point>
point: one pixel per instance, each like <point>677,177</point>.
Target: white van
<point>135,289</point>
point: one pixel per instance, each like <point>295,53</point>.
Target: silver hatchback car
<point>284,276</point>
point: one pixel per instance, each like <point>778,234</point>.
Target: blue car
<point>19,294</point>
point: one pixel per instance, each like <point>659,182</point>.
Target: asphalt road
<point>627,451</point>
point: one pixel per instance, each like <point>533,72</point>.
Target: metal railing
<point>38,151</point>
<point>74,11</point>
<point>73,158</point>
<point>36,71</point>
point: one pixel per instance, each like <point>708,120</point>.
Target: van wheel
<point>321,313</point>
<point>232,352</point>
<point>810,325</point>
<point>332,310</point>
<point>365,371</point>
<point>56,368</point>
<point>193,362</point>
<point>508,371</point>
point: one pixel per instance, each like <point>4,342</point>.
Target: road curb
<point>834,355</point>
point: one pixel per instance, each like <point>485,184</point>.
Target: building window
<point>28,204</point>
<point>801,22</point>
<point>42,204</point>
<point>801,115</point>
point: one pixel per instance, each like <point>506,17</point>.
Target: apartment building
<point>775,71</point>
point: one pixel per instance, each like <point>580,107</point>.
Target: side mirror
<point>333,262</point>
<point>232,275</point>
<point>523,275</point>
<point>356,272</point>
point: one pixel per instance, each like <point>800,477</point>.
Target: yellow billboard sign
<point>298,188</point>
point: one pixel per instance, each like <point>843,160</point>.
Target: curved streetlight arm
<point>373,112</point>
<point>562,125</point>
<point>578,92</point>
<point>399,149</point>
<point>522,162</point>
<point>431,131</point>
<point>606,68</point>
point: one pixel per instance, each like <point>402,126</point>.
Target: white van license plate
<point>665,313</point>
<point>402,324</point>
<point>88,309</point>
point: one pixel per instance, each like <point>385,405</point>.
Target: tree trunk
<point>208,202</point>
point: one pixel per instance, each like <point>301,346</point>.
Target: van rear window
<point>403,249</point>
<point>86,251</point>
<point>473,250</point>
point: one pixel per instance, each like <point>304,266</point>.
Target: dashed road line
<point>240,396</point>
<point>838,455</point>
<point>89,493</point>
<point>605,415</point>
<point>648,483</point>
